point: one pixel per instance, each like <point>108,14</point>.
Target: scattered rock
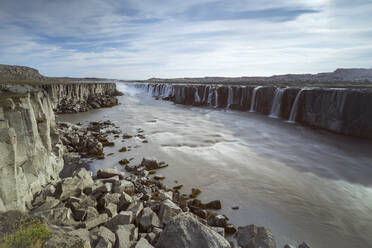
<point>304,245</point>
<point>143,243</point>
<point>109,172</point>
<point>252,236</point>
<point>168,210</point>
<point>185,231</point>
<point>214,205</point>
<point>148,220</point>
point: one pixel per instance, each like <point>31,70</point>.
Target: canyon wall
<point>30,148</point>
<point>80,97</point>
<point>340,110</point>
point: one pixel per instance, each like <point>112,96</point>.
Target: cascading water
<point>230,97</point>
<point>216,97</point>
<point>293,115</point>
<point>253,102</point>
<point>210,95</point>
<point>276,106</point>
<point>197,97</point>
<point>206,89</point>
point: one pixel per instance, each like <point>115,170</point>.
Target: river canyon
<point>304,182</point>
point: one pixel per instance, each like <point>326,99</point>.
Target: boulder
<point>304,245</point>
<point>122,218</point>
<point>218,221</point>
<point>143,243</point>
<point>125,201</point>
<point>185,231</point>
<point>124,186</point>
<point>136,209</point>
<point>96,221</point>
<point>111,209</point>
<point>73,186</point>
<point>214,205</point>
<point>148,220</point>
<point>125,236</point>
<point>150,164</point>
<point>252,236</point>
<point>105,237</point>
<point>109,172</point>
<point>168,210</point>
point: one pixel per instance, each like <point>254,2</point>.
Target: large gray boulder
<point>148,220</point>
<point>126,236</point>
<point>168,210</point>
<point>143,243</point>
<point>252,236</point>
<point>73,186</point>
<point>185,231</point>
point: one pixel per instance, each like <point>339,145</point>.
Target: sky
<point>140,39</point>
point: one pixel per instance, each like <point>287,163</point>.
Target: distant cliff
<point>342,110</point>
<point>339,76</point>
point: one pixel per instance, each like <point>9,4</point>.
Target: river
<point>304,184</point>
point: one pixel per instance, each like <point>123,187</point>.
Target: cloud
<point>169,38</point>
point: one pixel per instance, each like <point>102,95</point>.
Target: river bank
<point>266,166</point>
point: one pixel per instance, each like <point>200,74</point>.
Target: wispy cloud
<point>168,38</point>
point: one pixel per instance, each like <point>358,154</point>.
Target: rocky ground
<point>132,208</point>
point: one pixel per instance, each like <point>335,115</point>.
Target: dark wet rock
<point>178,187</point>
<point>218,221</point>
<point>185,231</point>
<point>109,172</point>
<point>214,205</point>
<point>252,236</point>
<point>127,136</point>
<point>230,229</point>
<point>235,207</point>
<point>304,245</point>
<point>159,177</point>
<point>195,193</point>
<point>124,162</point>
<point>289,246</point>
<point>123,149</point>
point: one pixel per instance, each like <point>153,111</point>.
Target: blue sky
<point>131,39</point>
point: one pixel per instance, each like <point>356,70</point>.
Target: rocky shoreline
<point>113,208</point>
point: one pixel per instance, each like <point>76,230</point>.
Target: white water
<point>216,97</point>
<point>305,185</point>
<point>230,97</point>
<point>253,102</point>
<point>293,115</point>
<point>275,108</point>
<point>197,97</point>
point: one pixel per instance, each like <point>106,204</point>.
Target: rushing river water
<point>304,184</point>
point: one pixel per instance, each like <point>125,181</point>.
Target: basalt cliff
<point>344,110</point>
<point>32,153</point>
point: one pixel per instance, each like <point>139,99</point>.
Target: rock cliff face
<point>80,97</point>
<point>30,154</point>
<point>343,110</point>
<point>30,147</point>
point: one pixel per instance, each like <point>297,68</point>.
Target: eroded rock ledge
<point>30,148</point>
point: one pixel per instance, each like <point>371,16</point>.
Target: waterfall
<point>230,97</point>
<point>253,102</point>
<point>210,94</point>
<point>205,94</point>
<point>197,97</point>
<point>216,97</point>
<point>275,108</point>
<point>293,115</point>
